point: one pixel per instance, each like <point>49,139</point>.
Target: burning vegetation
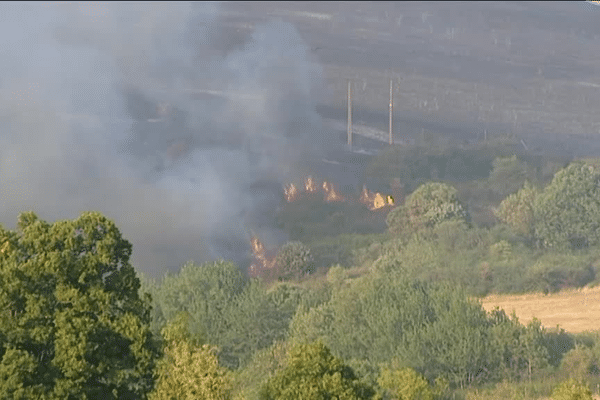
<point>263,260</point>
<point>373,201</point>
<point>310,185</point>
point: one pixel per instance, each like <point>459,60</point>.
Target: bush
<point>312,372</point>
<point>508,174</point>
<point>553,272</point>
<point>405,384</point>
<point>579,363</point>
<point>294,260</point>
<point>572,390</point>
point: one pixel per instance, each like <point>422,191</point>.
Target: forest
<point>361,303</point>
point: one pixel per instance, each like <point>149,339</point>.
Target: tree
<point>72,323</point>
<point>567,213</point>
<point>312,372</point>
<point>189,370</point>
<point>572,390</point>
<point>428,206</point>
<point>206,292</point>
<point>516,210</point>
<point>294,260</point>
<point>508,175</point>
<point>405,384</point>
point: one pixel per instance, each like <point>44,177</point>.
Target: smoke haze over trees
<point>78,85</point>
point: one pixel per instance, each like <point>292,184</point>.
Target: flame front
<point>262,261</point>
<point>309,185</point>
<point>375,201</point>
<point>291,192</point>
<point>330,193</point>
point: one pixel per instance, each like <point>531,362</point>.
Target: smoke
<point>80,84</point>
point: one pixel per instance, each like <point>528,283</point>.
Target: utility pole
<point>391,111</point>
<point>349,114</point>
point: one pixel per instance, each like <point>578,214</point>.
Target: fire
<point>309,185</point>
<point>291,192</point>
<point>262,259</point>
<point>375,201</point>
<point>330,193</point>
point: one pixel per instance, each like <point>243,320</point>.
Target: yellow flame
<point>310,185</point>
<point>291,192</point>
<point>262,261</point>
<point>330,193</point>
<point>375,201</point>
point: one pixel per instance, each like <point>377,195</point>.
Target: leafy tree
<point>73,324</point>
<point>188,370</point>
<point>294,260</point>
<point>516,210</point>
<point>567,213</point>
<point>508,175</point>
<point>433,329</point>
<point>428,206</point>
<point>405,384</point>
<point>572,390</point>
<point>312,372</point>
<point>579,363</point>
<point>554,271</point>
<point>204,291</point>
<point>255,320</point>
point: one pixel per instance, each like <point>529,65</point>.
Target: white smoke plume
<point>100,109</point>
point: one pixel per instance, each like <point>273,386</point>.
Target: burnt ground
<point>460,68</point>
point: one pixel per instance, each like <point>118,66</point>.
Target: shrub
<point>572,390</point>
<point>294,260</point>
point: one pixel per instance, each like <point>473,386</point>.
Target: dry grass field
<point>574,310</point>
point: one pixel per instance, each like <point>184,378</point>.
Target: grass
<point>576,310</point>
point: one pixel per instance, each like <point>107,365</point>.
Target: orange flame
<point>310,185</point>
<point>291,192</point>
<point>262,261</point>
<point>330,193</point>
<point>375,201</point>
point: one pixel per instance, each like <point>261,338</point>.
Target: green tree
<point>434,329</point>
<point>428,206</point>
<point>508,175</point>
<point>567,212</point>
<point>516,210</point>
<point>294,260</point>
<point>72,323</point>
<point>572,390</point>
<point>405,384</point>
<point>189,370</point>
<point>312,372</point>
<point>579,363</point>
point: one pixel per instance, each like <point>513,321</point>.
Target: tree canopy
<point>567,212</point>
<point>312,372</point>
<point>72,323</point>
<point>428,206</point>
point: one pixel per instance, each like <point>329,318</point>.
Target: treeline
<point>77,321</point>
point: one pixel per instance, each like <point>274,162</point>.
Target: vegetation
<point>294,260</point>
<point>370,304</point>
<point>72,323</point>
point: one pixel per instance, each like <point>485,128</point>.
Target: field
<point>527,69</point>
<point>574,310</point>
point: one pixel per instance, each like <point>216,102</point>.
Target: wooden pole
<point>391,111</point>
<point>349,114</point>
